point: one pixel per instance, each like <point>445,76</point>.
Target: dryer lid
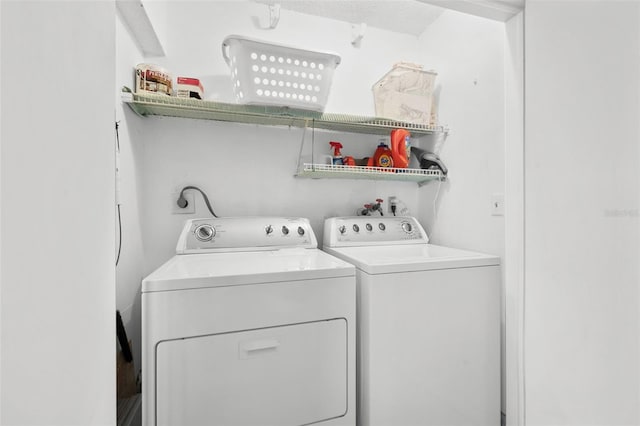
<point>241,268</point>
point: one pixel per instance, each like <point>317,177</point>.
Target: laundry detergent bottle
<point>401,148</point>
<point>383,156</point>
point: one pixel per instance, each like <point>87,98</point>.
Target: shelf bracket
<point>304,131</point>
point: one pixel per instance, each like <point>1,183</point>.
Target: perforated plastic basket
<point>271,74</point>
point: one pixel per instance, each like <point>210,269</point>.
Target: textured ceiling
<point>403,16</point>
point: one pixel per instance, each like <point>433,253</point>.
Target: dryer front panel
<point>287,375</point>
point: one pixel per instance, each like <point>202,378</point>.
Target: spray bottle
<point>401,147</point>
<point>337,155</point>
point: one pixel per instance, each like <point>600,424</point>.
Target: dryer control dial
<point>406,227</point>
<point>235,234</point>
<point>205,232</point>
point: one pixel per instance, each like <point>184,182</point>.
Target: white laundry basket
<point>271,74</point>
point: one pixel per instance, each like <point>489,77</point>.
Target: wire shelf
<point>170,106</point>
<point>319,171</point>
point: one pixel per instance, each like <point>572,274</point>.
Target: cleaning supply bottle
<point>383,157</point>
<point>337,155</point>
<point>401,147</point>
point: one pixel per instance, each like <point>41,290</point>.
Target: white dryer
<point>249,324</point>
<point>428,325</point>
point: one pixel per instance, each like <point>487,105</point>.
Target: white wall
<point>581,213</point>
<point>57,195</point>
<point>469,54</point>
<point>248,170</point>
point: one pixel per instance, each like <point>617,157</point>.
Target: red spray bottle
<point>337,155</point>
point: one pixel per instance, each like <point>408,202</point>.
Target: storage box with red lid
<point>153,79</point>
<point>188,87</point>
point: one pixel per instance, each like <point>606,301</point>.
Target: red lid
<point>190,81</point>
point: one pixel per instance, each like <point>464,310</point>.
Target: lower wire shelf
<point>322,171</point>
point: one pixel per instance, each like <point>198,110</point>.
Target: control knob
<point>205,232</point>
<point>406,227</point>
<point>342,229</point>
<point>300,230</point>
<point>268,229</point>
<point>285,230</point>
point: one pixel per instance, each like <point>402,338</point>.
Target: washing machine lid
<point>385,259</point>
<point>205,270</point>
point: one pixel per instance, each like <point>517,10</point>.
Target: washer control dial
<point>268,229</point>
<point>285,230</point>
<point>300,230</point>
<point>205,233</point>
<point>363,231</point>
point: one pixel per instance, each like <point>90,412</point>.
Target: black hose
<point>204,196</point>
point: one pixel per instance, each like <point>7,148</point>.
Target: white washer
<point>428,325</point>
<point>249,324</point>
